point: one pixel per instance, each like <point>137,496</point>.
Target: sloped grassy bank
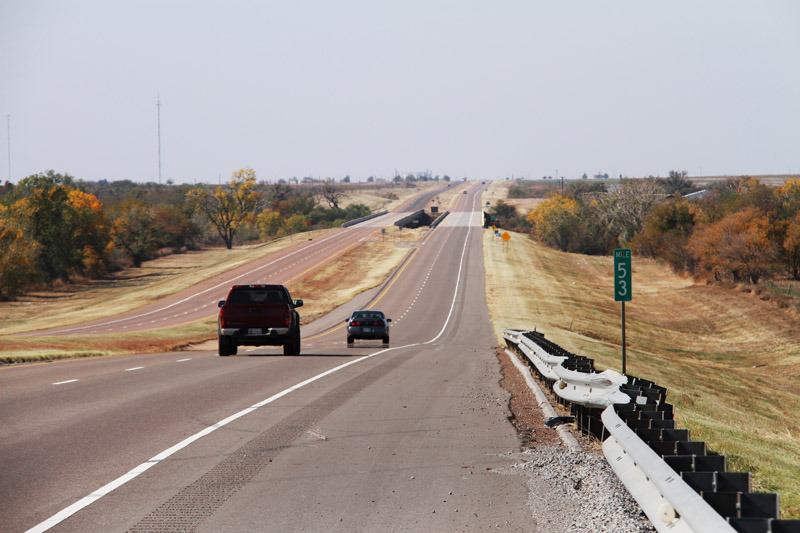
<point>730,361</point>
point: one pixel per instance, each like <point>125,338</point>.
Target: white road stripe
<point>63,382</point>
<point>134,368</point>
<point>183,360</point>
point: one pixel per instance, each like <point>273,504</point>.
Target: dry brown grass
<point>20,349</point>
<point>128,289</point>
<point>498,190</point>
<point>362,268</point>
<point>731,362</point>
<point>375,196</point>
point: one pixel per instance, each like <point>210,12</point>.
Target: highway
<point>410,437</point>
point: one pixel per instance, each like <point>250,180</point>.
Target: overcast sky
<point>329,88</point>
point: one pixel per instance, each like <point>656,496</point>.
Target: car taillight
<point>288,317</point>
<point>376,323</point>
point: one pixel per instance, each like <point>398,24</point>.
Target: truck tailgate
<point>256,316</point>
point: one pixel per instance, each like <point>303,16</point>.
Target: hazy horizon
<point>466,89</point>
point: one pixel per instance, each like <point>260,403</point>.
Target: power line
<point>8,122</point>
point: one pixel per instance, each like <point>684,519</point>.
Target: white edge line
<point>134,368</point>
<point>63,382</point>
<point>458,284</point>
<point>109,487</point>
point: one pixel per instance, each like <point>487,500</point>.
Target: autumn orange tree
<point>791,247</point>
<point>789,195</point>
<point>231,206</point>
<point>135,231</point>
<point>67,226</point>
<point>736,247</point>
<point>270,223</point>
<point>555,220</point>
<point>666,234</point>
<point>17,257</point>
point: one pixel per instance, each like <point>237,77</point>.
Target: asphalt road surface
<point>411,437</point>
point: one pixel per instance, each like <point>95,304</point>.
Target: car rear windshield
<point>246,295</point>
<point>374,316</point>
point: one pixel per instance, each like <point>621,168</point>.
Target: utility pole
<point>8,122</point>
<point>158,107</point>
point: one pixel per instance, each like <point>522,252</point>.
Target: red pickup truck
<point>259,315</point>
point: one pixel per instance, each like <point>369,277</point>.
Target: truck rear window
<point>257,296</point>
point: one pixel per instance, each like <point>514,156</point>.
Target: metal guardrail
<point>364,219</point>
<point>669,503</point>
<point>680,485</point>
<point>590,390</point>
<point>439,219</point>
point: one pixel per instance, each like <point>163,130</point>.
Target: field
<point>360,269</point>
<point>374,195</point>
<point>730,361</point>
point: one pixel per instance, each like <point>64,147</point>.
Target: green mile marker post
<point>622,288</point>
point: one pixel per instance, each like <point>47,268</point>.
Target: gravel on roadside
<point>567,491</point>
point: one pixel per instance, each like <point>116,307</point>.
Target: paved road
<point>413,437</point>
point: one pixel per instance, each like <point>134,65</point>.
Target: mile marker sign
<point>622,289</point>
<point>622,275</point>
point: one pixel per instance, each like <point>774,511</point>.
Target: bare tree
<point>625,210</point>
<point>280,192</point>
<point>333,193</point>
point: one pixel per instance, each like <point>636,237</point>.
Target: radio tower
<point>8,122</point>
<point>158,107</point>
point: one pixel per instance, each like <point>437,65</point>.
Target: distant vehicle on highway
<point>464,192</point>
<point>259,315</point>
<point>368,325</point>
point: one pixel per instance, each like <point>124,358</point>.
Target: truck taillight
<point>221,319</point>
<point>288,317</point>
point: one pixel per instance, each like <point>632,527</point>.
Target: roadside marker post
<point>506,237</point>
<point>622,288</point>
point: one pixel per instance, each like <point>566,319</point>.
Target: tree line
<point>56,228</point>
<point>739,230</point>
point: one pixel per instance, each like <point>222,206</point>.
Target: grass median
<point>362,267</point>
<point>730,361</point>
<point>131,288</point>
